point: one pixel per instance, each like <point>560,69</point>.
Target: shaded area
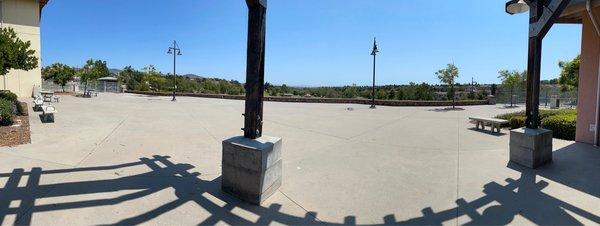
<point>522,196</point>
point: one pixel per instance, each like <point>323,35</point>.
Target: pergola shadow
<point>188,188</point>
<point>523,196</point>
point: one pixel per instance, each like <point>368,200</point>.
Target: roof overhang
<point>576,11</point>
<point>43,3</point>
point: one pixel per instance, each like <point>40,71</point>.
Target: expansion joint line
<point>103,140</point>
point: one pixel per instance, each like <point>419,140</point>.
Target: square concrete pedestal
<point>531,147</point>
<point>251,169</point>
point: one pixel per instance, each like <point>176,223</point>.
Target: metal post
<point>373,89</point>
<point>255,68</point>
<point>533,68</point>
<point>174,71</point>
<point>175,50</point>
<point>374,53</point>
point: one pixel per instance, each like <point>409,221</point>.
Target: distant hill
<point>190,76</point>
<point>193,76</point>
<point>114,70</point>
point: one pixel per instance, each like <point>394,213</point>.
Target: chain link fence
<point>76,87</point>
<point>550,97</point>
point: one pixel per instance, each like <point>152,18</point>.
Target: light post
<point>176,51</point>
<point>374,54</point>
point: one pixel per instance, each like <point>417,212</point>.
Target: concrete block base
<point>251,169</point>
<point>531,147</point>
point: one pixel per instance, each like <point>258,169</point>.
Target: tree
<point>512,79</point>
<point>448,77</point>
<point>14,53</point>
<point>493,89</point>
<point>131,77</point>
<point>569,75</point>
<point>59,73</point>
<point>155,79</point>
<point>92,71</point>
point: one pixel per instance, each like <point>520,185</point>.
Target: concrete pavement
<point>132,159</point>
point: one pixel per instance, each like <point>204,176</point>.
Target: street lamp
<point>374,54</point>
<point>176,51</point>
<point>516,7</point>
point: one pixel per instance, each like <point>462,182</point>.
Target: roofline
<point>575,11</point>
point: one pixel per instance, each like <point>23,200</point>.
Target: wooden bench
<point>48,113</point>
<point>493,122</point>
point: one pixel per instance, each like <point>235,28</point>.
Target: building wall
<point>24,17</point>
<point>588,81</point>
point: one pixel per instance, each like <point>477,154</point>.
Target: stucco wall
<point>23,16</point>
<point>588,81</point>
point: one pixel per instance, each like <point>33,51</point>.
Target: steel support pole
<point>255,68</point>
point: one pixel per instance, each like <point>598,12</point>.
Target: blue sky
<point>309,42</point>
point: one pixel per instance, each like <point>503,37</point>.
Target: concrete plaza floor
<point>132,159</point>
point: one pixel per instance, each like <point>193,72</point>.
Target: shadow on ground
<point>508,107</point>
<point>489,132</point>
<point>573,166</point>
<point>446,109</point>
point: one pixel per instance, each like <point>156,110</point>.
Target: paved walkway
<point>131,159</point>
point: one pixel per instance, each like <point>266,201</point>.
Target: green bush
<point>6,109</point>
<point>562,126</point>
<point>561,122</point>
<point>517,121</point>
<point>7,95</point>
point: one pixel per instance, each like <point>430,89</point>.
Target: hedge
<point>561,122</point>
<point>7,95</point>
<point>6,109</point>
<point>562,126</point>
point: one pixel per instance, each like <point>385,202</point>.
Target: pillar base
<point>530,147</point>
<point>251,169</point>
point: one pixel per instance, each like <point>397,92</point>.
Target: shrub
<point>6,109</point>
<point>517,121</point>
<point>7,95</point>
<point>562,125</point>
<point>561,122</point>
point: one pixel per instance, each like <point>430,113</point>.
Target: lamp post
<point>374,54</point>
<point>176,51</point>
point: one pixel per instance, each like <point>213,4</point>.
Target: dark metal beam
<point>541,18</point>
<point>255,68</point>
<point>548,16</point>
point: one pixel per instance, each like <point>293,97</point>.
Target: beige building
<point>24,17</point>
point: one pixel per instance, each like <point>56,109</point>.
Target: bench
<point>493,122</point>
<point>48,113</point>
<point>37,103</point>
